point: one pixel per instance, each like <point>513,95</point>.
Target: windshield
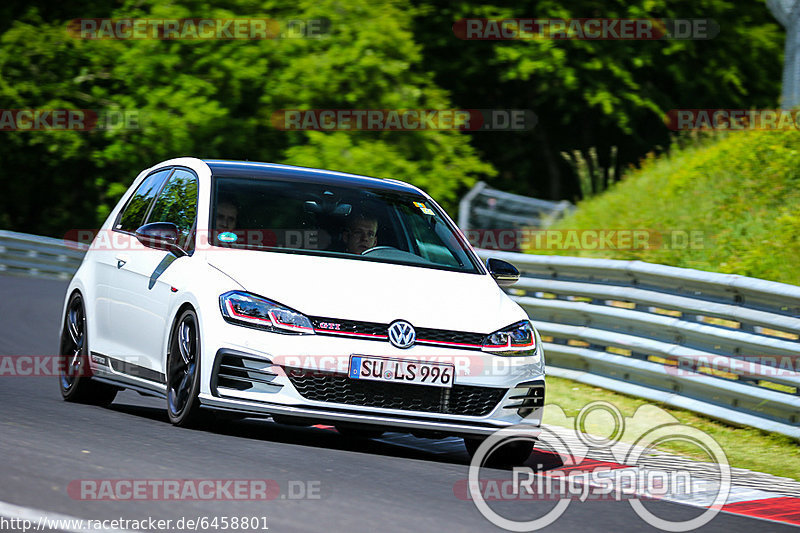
<point>338,221</point>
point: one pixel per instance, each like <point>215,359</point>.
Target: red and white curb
<point>752,494</point>
<point>741,500</point>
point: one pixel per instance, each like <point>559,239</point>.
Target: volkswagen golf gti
<point>305,295</point>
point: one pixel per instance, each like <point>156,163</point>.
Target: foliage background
<point>739,191</point>
<point>215,98</point>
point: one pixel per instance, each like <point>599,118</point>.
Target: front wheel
<point>183,371</point>
<point>74,371</point>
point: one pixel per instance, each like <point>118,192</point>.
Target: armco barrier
<point>44,257</point>
<point>723,345</point>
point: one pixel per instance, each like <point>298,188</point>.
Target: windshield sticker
<point>422,207</point>
<point>227,237</point>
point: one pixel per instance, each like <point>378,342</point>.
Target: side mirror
<point>161,236</point>
<point>505,274</point>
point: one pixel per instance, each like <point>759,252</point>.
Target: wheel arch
<point>178,312</point>
<point>62,322</point>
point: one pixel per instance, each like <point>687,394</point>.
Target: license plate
<point>401,371</point>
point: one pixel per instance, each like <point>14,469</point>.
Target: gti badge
<point>402,334</point>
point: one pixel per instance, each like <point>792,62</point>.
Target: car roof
<point>254,169</point>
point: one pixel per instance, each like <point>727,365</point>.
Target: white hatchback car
<point>307,295</point>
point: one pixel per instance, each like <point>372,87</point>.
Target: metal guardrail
<point>487,208</point>
<point>726,346</point>
<point>44,257</point>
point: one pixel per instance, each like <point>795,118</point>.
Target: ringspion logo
<point>626,477</point>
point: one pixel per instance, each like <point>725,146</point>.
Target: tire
<point>74,378</point>
<point>508,455</point>
<point>358,432</point>
<point>183,372</point>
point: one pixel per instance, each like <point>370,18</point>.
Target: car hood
<point>371,291</point>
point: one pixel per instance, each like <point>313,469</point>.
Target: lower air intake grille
<point>236,371</point>
<point>338,388</point>
<point>526,397</point>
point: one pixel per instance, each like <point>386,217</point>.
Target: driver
<point>360,234</point>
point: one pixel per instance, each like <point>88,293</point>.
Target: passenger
<point>227,212</point>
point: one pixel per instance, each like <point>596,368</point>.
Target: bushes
<point>739,192</point>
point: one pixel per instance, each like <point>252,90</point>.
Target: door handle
<point>121,260</point>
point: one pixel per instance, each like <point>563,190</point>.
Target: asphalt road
<point>401,484</point>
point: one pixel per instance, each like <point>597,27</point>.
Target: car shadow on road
<point>401,445</point>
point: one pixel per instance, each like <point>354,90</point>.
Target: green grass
<point>745,447</point>
<point>739,192</point>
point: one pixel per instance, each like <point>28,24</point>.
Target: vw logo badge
<point>402,334</point>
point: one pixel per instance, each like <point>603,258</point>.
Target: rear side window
<point>177,203</point>
<point>135,212</point>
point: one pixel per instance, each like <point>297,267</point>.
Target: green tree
<point>215,99</point>
<point>598,94</point>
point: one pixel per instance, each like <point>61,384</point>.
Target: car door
<point>111,253</point>
<point>140,297</point>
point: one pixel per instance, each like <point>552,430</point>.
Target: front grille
<point>338,388</point>
<point>441,335</point>
<point>378,331</point>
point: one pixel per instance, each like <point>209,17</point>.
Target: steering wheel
<point>377,248</point>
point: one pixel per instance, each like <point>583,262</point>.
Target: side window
<point>177,203</point>
<point>429,242</point>
<point>133,215</point>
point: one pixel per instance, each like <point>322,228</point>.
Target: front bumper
<point>407,422</point>
<point>244,379</point>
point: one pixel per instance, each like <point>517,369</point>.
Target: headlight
<point>516,339</point>
<point>249,310</point>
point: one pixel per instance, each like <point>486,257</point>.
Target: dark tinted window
<point>133,215</point>
<point>349,222</point>
<point>177,202</point>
